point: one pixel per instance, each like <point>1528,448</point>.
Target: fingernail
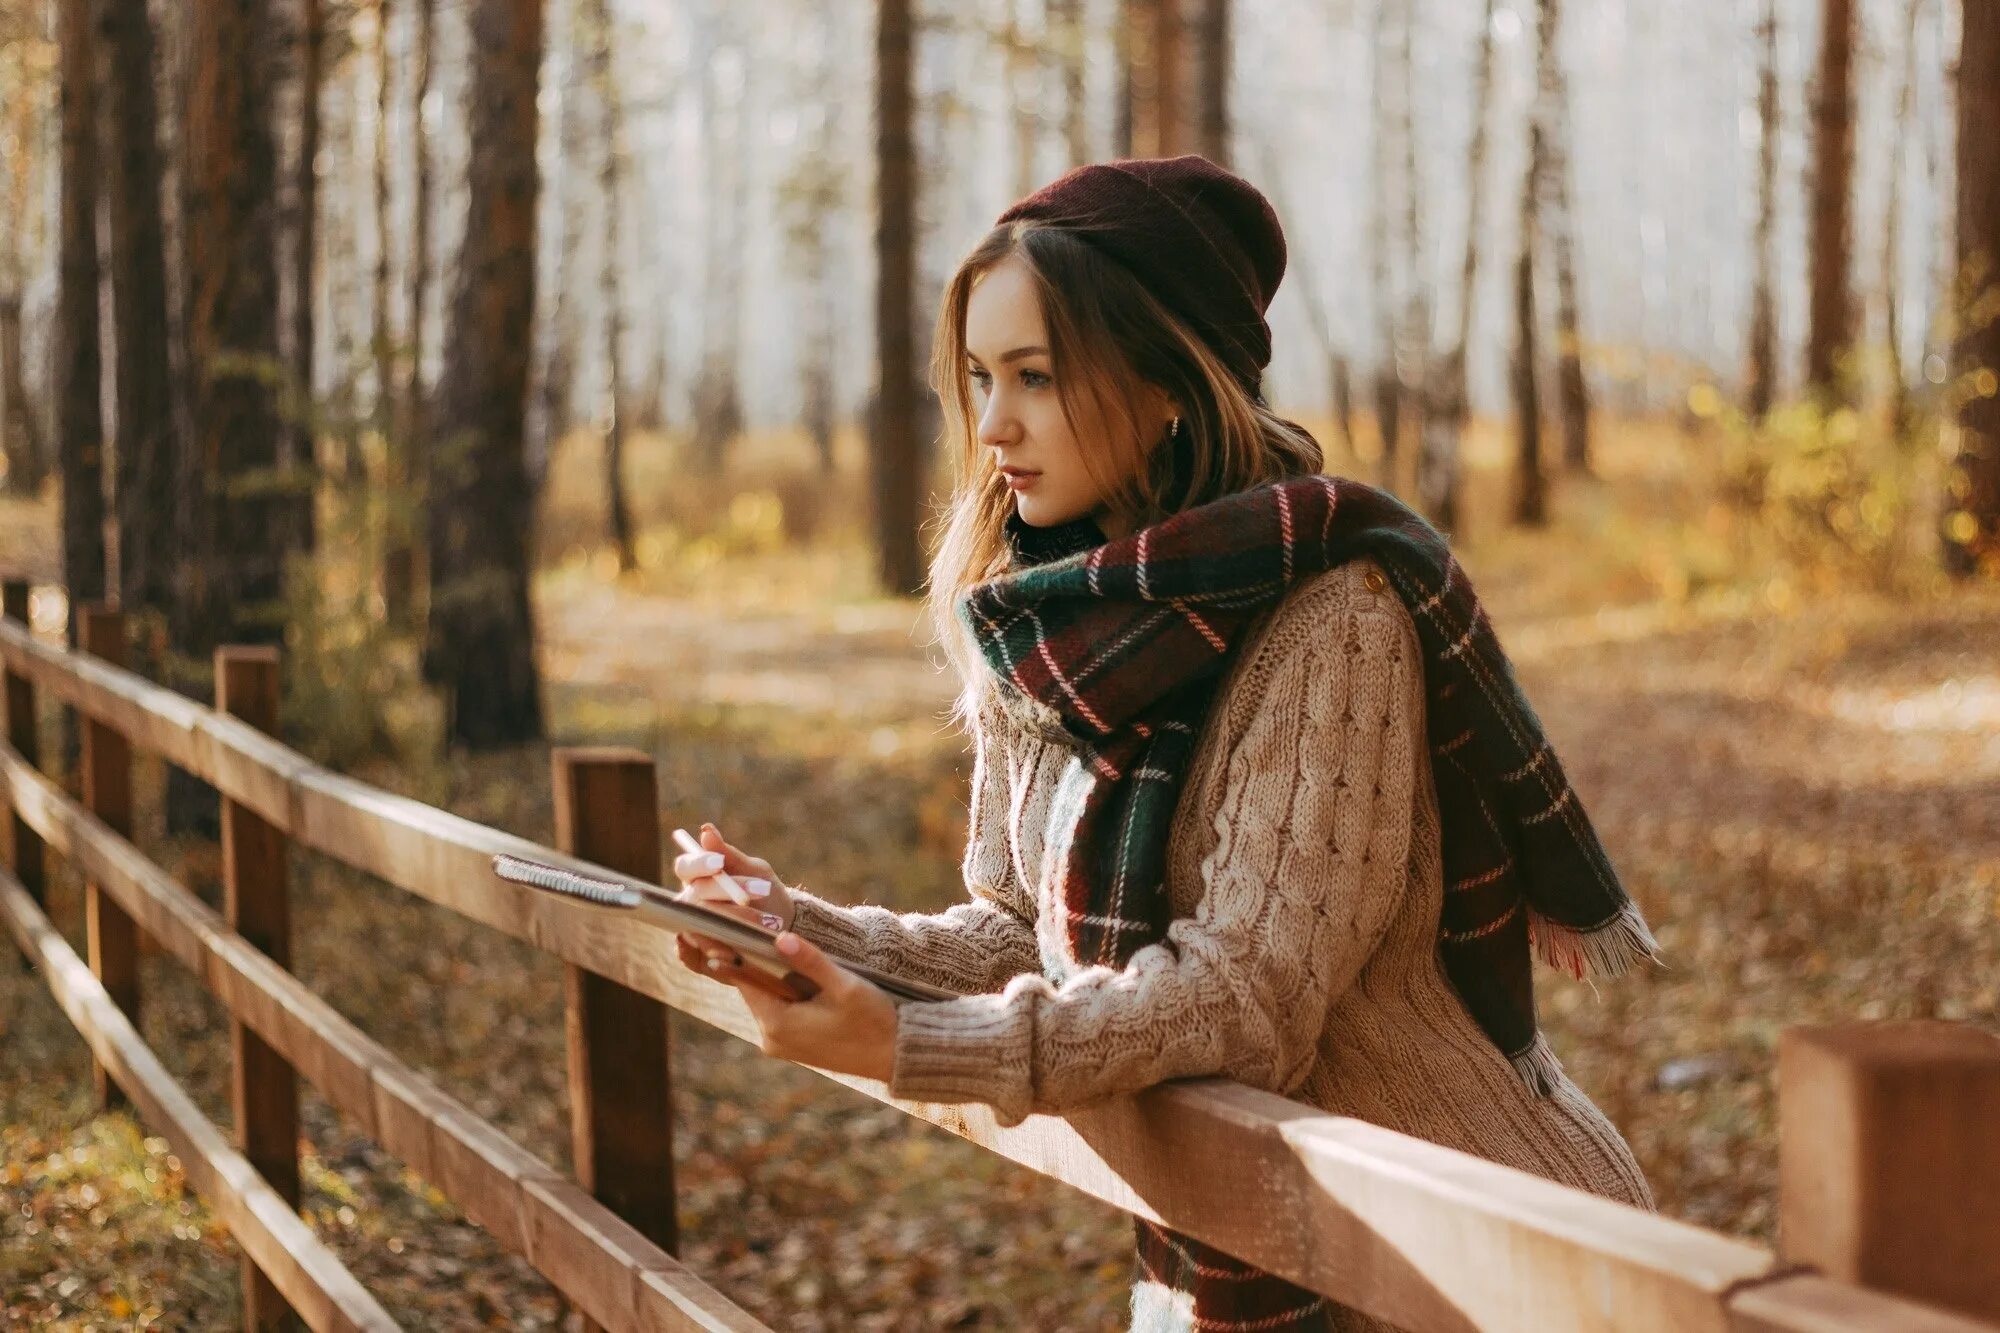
<point>789,944</point>
<point>756,888</point>
<point>709,863</point>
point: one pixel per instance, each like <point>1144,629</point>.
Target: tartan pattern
<point>1129,641</point>
<point>1229,1295</point>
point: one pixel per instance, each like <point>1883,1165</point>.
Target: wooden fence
<point>1891,1156</point>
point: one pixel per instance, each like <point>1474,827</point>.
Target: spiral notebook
<point>656,907</point>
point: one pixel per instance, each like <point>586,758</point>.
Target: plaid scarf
<point>1129,641</point>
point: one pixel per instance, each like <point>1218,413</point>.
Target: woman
<point>1254,793</point>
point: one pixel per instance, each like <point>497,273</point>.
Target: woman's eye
<point>982,379</point>
<point>1035,379</point>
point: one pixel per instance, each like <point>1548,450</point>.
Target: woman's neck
<point>1113,524</point>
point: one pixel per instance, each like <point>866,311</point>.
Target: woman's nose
<point>996,423</point>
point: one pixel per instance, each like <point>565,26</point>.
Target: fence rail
<point>1409,1231</point>
<point>282,1246</point>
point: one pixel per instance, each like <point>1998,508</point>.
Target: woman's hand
<point>849,1027</point>
<point>696,872</point>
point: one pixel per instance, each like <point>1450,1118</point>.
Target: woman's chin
<point>1037,513</point>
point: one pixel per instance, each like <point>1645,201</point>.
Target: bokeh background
<point>543,372</point>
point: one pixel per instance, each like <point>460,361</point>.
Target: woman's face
<point>1020,414</point>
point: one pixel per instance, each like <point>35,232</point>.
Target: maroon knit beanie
<point>1201,239</point>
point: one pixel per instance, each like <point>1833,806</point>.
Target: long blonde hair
<point>1109,338</point>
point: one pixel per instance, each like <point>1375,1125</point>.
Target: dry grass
<point>1802,786</point>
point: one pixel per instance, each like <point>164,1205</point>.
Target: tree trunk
<point>1212,44</point>
<point>78,366</point>
<point>147,452</point>
<point>555,381</point>
<point>1830,323</point>
<point>1067,22</point>
<point>1438,471</point>
<point>1892,230</point>
<point>1024,95</point>
<point>895,454</point>
<point>1530,502</point>
<point>482,633</point>
<point>24,177</point>
<point>301,439</point>
<point>382,343</point>
<point>1762,373</point>
<point>233,326</point>
<point>1559,227</point>
<point>1390,121</point>
<point>818,413</point>
<point>1413,362</point>
<point>1972,527</point>
<point>414,416</point>
<point>817,189</point>
<point>610,178</point>
<point>1156,59</point>
<point>343,277</point>
<point>398,571</point>
<point>1124,34</point>
<point>1320,319</point>
<point>718,402</point>
<point>27,453</point>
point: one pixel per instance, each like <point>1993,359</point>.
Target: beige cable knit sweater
<point>1304,871</point>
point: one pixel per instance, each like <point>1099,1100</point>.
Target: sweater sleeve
<point>1291,906</point>
<point>972,947</point>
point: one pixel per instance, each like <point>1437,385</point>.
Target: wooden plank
<point>482,1171</point>
<point>1889,1158</point>
<point>248,761</point>
<point>82,838</point>
<point>264,1092</point>
<point>620,1089</point>
<point>312,1279</point>
<point>324,1048</point>
<point>471,1161</point>
<point>407,1104</point>
<point>669,1299</point>
<point>148,716</point>
<point>584,1248</point>
<point>17,694</point>
<point>1809,1303</point>
<point>404,841</point>
<point>111,934</point>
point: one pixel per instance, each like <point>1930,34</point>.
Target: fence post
<point>621,1115</point>
<point>1889,1158</point>
<point>26,848</point>
<point>264,1090</point>
<point>107,789</point>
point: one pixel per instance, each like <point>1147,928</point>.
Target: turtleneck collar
<point>1038,545</point>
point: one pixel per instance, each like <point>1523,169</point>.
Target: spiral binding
<point>566,882</point>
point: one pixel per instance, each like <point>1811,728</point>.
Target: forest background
<point>544,372</point>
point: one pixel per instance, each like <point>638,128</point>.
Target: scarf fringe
<point>1538,1067</point>
<point>1608,950</point>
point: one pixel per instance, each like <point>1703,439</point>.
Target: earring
<point>1175,429</point>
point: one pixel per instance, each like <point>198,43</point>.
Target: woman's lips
<point>1020,481</point>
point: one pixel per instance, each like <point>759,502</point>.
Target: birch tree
<point>1762,372</point>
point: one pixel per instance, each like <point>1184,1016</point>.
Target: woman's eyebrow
<point>1015,355</point>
